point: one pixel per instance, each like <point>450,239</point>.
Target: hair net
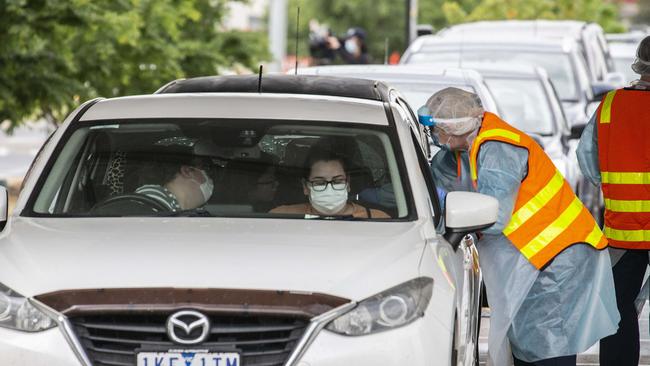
<point>453,110</point>
<point>642,63</point>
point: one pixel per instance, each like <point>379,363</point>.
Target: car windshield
<point>417,94</point>
<point>558,65</point>
<point>224,168</point>
<point>523,103</point>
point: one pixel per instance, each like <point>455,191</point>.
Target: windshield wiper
<point>194,212</point>
<point>331,217</point>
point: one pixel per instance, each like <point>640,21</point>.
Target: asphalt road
<point>588,358</point>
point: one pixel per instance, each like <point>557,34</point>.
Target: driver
<point>183,176</point>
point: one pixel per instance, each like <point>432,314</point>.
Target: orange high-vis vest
<point>547,217</point>
<point>624,154</point>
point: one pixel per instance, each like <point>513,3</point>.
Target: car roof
<point>491,69</point>
<point>633,37</point>
<point>623,50</point>
<point>459,42</point>
<point>281,84</point>
<point>263,106</point>
<point>530,28</point>
<point>418,72</point>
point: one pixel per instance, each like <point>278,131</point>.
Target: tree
<point>56,53</point>
<point>431,11</point>
<point>604,13</point>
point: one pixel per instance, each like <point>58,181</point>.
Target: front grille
<point>262,340</point>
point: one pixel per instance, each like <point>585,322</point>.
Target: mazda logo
<point>188,327</point>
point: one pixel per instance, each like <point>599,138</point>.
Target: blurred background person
<point>326,48</point>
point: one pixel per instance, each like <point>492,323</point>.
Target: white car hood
<point>348,259</point>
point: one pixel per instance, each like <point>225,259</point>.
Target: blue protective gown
<point>535,315</point>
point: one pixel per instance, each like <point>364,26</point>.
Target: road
<point>588,358</point>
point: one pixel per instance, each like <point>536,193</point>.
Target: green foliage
<point>56,53</point>
<point>454,12</point>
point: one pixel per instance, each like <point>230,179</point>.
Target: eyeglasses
<point>320,185</point>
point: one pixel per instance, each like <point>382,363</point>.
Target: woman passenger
<point>326,184</point>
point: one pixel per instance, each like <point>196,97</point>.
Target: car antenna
<point>259,80</point>
<point>297,39</point>
<point>386,51</point>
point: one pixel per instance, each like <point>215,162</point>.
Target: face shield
<point>454,117</point>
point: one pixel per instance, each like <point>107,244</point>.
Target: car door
<point>469,280</point>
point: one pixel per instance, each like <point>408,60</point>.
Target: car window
<point>523,103</point>
<point>423,132</point>
<point>243,168</point>
<point>558,65</point>
<point>431,186</point>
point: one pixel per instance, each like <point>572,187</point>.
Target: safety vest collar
<point>489,131</point>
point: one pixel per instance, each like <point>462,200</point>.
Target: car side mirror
<point>468,212</point>
<point>4,207</point>
<point>599,90</point>
<point>576,131</point>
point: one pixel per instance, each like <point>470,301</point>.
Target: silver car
<point>590,37</point>
<point>560,58</point>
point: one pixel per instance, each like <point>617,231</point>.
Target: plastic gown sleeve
<point>501,168</point>
<point>588,152</point>
<point>538,315</point>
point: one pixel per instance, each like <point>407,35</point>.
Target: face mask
<point>329,201</point>
<point>351,46</point>
<point>206,187</point>
<point>437,142</point>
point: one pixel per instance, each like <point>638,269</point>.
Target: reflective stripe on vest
<point>627,205</point>
<point>529,209</point>
<point>497,132</point>
<point>547,216</point>
<point>606,111</point>
<point>628,235</point>
<point>557,227</point>
<point>624,178</point>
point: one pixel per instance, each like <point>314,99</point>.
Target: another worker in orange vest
<point>549,281</point>
<point>614,151</point>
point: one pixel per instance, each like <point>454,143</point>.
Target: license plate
<point>188,358</point>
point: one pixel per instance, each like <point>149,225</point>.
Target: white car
<point>94,273</point>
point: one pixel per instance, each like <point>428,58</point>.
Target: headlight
<point>16,312</point>
<point>390,309</point>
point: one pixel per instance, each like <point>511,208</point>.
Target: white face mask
<point>206,187</point>
<point>351,46</point>
<point>328,202</point>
